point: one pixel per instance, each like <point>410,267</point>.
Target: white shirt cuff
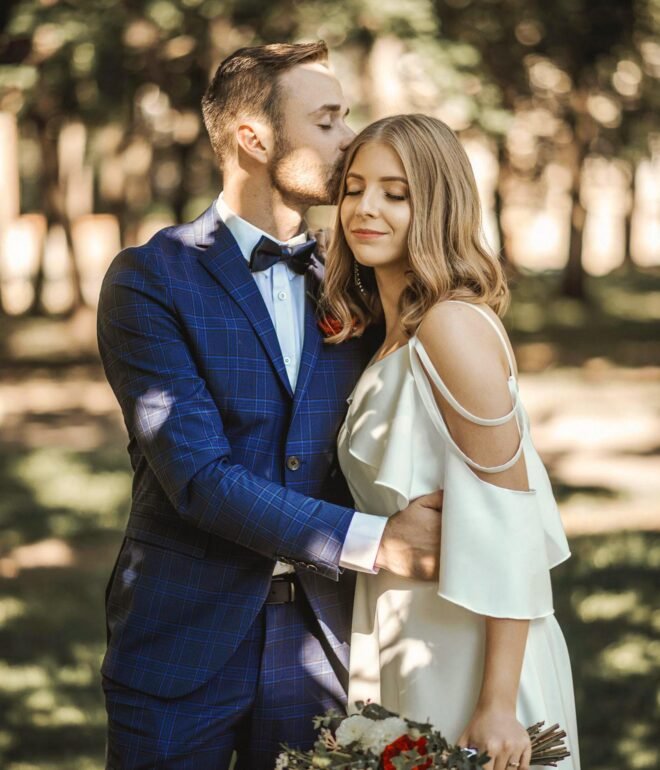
<point>362,542</point>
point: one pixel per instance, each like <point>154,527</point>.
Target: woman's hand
<point>497,732</point>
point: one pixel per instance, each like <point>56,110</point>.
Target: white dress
<point>418,648</point>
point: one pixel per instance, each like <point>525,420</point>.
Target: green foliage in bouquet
<point>378,739</point>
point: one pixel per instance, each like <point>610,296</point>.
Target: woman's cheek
<point>344,214</point>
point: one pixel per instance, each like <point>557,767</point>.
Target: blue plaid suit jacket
<point>192,356</point>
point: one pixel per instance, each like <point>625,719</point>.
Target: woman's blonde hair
<point>446,251</point>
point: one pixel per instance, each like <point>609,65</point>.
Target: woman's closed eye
<point>390,195</point>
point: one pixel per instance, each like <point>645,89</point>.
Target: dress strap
<point>423,369</point>
<point>440,385</point>
<point>498,331</point>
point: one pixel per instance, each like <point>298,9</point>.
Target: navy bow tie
<point>268,253</point>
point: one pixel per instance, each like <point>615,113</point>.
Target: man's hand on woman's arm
<point>410,546</point>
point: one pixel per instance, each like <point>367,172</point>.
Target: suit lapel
<point>312,343</point>
<point>222,258</point>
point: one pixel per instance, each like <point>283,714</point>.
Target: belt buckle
<point>282,591</point>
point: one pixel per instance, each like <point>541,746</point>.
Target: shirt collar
<point>245,233</point>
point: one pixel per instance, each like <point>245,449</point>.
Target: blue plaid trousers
<point>278,679</point>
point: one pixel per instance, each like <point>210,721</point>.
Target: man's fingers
<point>432,500</point>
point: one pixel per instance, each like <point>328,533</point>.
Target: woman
<point>481,655</point>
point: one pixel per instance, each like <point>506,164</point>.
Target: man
<point>232,403</point>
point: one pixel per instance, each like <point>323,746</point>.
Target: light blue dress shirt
<point>283,292</point>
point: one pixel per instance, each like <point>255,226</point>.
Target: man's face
<point>313,136</point>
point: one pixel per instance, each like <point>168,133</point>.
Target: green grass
<point>51,617</point>
<point>605,600</point>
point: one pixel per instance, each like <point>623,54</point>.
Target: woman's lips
<point>366,235</point>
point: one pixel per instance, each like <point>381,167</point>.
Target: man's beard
<point>297,185</point>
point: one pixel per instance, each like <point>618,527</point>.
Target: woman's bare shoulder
<point>466,352</point>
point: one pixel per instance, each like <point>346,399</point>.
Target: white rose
<point>352,729</point>
<point>382,732</point>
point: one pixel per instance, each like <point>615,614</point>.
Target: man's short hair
<point>246,83</point>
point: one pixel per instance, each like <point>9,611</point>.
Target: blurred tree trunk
<point>53,205</point>
<point>573,280</point>
<point>627,259</point>
<point>498,204</point>
<point>573,284</point>
<point>182,194</point>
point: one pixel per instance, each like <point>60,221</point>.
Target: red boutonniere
<point>405,743</point>
<point>329,325</point>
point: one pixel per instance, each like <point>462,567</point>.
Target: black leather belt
<point>282,589</point>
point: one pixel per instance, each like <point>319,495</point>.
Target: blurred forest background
<point>101,144</point>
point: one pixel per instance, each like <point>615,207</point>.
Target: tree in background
<point>584,74</point>
<point>589,70</point>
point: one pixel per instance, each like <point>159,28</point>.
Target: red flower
<point>330,325</point>
<point>405,743</point>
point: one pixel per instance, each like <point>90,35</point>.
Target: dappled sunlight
<point>11,608</point>
<point>39,340</point>
<point>606,605</point>
<point>638,308</point>
<point>47,553</point>
<point>15,678</point>
<point>598,432</point>
<point>71,429</point>
<point>152,411</point>
<point>628,475</point>
<point>633,654</point>
<point>606,602</point>
<point>601,432</point>
<point>52,641</point>
<point>22,241</point>
<point>632,550</point>
<point>63,481</point>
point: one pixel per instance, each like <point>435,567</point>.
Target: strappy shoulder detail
<point>440,385</point>
<point>498,544</point>
<point>423,371</point>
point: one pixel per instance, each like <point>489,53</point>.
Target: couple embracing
<point>288,437</point>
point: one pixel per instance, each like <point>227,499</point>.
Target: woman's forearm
<point>505,648</point>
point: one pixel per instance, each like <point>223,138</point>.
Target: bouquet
<point>377,739</point>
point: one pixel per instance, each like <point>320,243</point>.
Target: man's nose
<point>347,138</point>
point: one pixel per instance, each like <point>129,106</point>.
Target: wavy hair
<point>447,256</point>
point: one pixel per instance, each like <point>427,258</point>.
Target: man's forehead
<point>314,84</point>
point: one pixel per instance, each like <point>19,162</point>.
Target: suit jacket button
<point>293,463</point>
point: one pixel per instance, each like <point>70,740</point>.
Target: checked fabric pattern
<point>192,356</point>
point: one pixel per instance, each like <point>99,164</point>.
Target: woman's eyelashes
<point>392,196</point>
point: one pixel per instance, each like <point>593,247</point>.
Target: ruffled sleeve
<point>498,544</point>
<point>492,554</point>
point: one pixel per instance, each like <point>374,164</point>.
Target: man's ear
<point>254,138</point>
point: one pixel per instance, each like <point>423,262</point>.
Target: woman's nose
<point>367,204</point>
